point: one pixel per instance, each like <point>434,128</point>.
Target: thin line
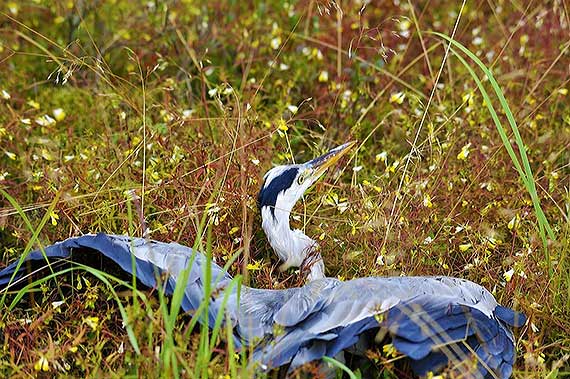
<point>143,223</point>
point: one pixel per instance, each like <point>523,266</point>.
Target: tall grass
<point>172,366</point>
<point>35,231</point>
<point>521,163</point>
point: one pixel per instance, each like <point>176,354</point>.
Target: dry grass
<point>218,93</point>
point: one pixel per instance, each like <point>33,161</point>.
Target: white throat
<point>291,246</point>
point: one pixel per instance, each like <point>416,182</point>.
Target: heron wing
<point>150,259</point>
<point>307,300</point>
<point>432,320</point>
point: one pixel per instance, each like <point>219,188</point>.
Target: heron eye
<point>301,178</point>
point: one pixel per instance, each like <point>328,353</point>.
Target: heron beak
<point>322,163</point>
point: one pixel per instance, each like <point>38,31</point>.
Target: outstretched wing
<point>433,321</point>
<point>434,332</point>
<point>151,260</point>
<point>115,248</point>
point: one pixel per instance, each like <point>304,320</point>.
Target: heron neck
<point>291,245</point>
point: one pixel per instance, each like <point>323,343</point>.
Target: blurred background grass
<point>188,103</point>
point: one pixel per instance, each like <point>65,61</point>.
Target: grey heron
<point>434,321</point>
<point>282,187</point>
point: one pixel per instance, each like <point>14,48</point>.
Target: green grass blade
<point>509,148</point>
<point>103,277</point>
<point>35,233</point>
<point>341,366</point>
<point>221,312</point>
<point>523,168</point>
<point>521,146</point>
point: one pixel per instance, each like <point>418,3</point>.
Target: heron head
<point>284,185</point>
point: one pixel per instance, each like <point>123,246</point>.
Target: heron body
<point>433,321</point>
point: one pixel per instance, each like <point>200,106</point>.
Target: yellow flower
<point>92,322</point>
<point>53,217</point>
<point>427,201</point>
<point>390,350</point>
<point>563,91</point>
<point>59,114</point>
<point>47,155</point>
<point>324,76</point>
<point>514,223</point>
<point>13,8</point>
<point>34,104</point>
<point>397,97</point>
<point>42,364</point>
<point>464,153</point>
<point>45,120</point>
<point>256,265</point>
<point>282,125</point>
<point>275,43</point>
<point>317,54</point>
<point>405,24</point>
<point>469,99</point>
<point>464,247</point>
<point>508,275</point>
<point>383,156</point>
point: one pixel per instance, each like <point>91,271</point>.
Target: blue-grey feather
<point>316,350</point>
<point>304,303</point>
<point>349,335</point>
<point>424,343</point>
<point>433,363</point>
<point>510,316</point>
<point>506,369</point>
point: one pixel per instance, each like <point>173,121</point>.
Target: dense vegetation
<point>118,116</point>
